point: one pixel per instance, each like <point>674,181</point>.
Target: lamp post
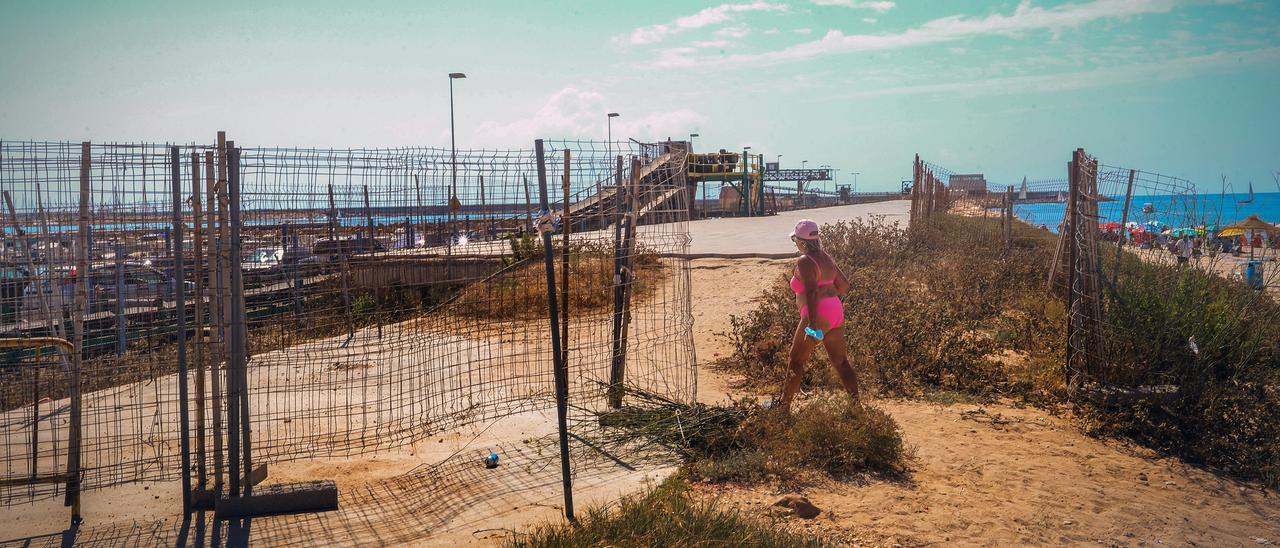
<point>608,145</point>
<point>745,202</point>
<point>609,119</point>
<point>691,136</point>
<point>855,181</point>
<point>454,205</point>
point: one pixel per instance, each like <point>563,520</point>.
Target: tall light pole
<point>855,181</point>
<point>745,202</point>
<point>608,145</point>
<point>453,161</point>
<point>691,136</point>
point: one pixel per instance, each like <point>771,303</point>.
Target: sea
<point>1173,211</point>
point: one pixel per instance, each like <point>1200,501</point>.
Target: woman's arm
<point>841,282</point>
<point>809,275</point>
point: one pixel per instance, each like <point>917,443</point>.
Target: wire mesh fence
<point>1122,239</point>
<point>374,297</point>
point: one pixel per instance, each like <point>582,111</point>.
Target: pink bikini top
<point>797,285</point>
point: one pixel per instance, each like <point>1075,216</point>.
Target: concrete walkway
<point>769,235</point>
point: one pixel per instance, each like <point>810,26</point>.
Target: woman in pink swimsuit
<point>818,284</point>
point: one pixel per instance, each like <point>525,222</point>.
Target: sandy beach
<point>991,475</point>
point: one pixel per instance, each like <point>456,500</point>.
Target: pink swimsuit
<point>830,308</point>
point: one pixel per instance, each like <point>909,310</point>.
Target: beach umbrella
<point>1253,225</point>
<point>1230,232</point>
<point>1256,224</point>
<point>1109,226</point>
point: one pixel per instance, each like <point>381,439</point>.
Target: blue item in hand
<point>816,334</point>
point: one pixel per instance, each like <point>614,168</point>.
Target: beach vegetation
<point>946,308</point>
<point>827,436</point>
<point>669,514</point>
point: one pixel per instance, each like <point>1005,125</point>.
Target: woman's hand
<point>816,321</point>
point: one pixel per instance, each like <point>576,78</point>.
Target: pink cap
<point>806,229</point>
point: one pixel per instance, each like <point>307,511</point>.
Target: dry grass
<point>827,436</point>
<point>520,292</point>
<point>666,515</point>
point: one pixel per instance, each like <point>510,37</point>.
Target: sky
<point>1186,88</point>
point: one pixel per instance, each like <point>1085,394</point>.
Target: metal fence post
<point>239,336</point>
<point>226,265</point>
<point>615,369</point>
<point>377,287</point>
<point>1124,220</point>
<point>197,240</point>
<point>180,306</point>
<point>561,374</point>
<point>215,313</point>
<point>82,297</point>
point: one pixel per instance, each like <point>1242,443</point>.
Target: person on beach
<point>1184,250</point>
<point>818,284</point>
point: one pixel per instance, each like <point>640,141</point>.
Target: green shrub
<point>364,304</point>
<point>666,515</point>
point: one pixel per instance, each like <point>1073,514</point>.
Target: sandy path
<point>996,474</point>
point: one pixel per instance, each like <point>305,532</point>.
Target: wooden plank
<point>291,498</point>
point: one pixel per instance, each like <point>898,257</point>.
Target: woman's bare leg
<point>839,356</point>
<point>801,347</point>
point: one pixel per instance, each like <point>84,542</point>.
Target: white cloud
<point>772,31</point>
<point>575,113</point>
<point>870,20</point>
<point>709,16</point>
<point>676,57</point>
<point>1026,17</point>
<point>878,6</point>
<point>1172,69</point>
<point>710,43</point>
<point>736,31</point>
<point>805,30</point>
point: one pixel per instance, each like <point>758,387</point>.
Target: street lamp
<point>802,163</point>
<point>453,161</point>
<point>608,144</point>
<point>691,136</point>
<point>745,201</point>
<point>610,118</point>
<point>855,181</point>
